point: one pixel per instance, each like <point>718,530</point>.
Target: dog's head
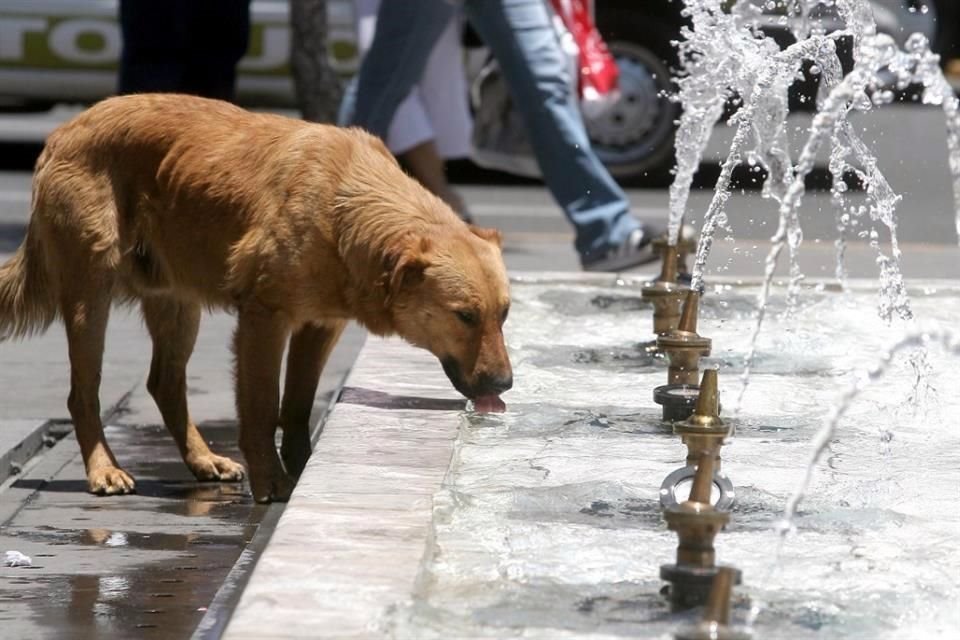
<point>449,294</point>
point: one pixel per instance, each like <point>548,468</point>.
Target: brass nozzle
<point>704,430</point>
<point>691,309</point>
<point>684,347</point>
<point>665,294</point>
<point>715,624</point>
<point>696,520</point>
<point>703,480</point>
<point>708,401</point>
<point>718,605</point>
<point>668,266</point>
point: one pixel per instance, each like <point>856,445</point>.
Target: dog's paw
<point>109,481</point>
<point>212,467</point>
<point>274,488</point>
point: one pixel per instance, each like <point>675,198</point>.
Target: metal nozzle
<point>715,624</point>
<point>704,430</point>
<point>685,245</point>
<point>718,605</point>
<point>666,294</point>
<point>691,309</point>
<point>708,401</point>
<point>684,347</point>
<point>703,480</point>
<point>668,266</point>
<point>696,523</point>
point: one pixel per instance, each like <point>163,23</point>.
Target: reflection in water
<point>140,566</point>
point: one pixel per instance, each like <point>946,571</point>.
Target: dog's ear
<point>405,264</point>
<point>490,235</point>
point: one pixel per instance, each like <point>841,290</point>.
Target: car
<point>56,51</point>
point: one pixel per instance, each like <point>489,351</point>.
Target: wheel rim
<point>638,128</point>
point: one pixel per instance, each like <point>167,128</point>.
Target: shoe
<point>636,250</point>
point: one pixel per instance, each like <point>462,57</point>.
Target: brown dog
<point>182,203</point>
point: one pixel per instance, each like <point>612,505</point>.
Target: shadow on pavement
<point>381,400</point>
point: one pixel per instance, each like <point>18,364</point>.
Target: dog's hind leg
<point>258,344</point>
<point>85,309</point>
<point>310,347</point>
<point>173,327</point>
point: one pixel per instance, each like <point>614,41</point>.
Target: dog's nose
<point>495,383</point>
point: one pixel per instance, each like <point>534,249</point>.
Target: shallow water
<point>548,525</point>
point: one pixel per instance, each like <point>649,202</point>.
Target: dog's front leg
<point>310,346</point>
<point>259,342</point>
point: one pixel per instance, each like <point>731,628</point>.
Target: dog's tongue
<point>489,404</point>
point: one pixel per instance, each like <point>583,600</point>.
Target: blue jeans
<point>521,36</point>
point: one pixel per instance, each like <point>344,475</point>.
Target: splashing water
<point>726,56</point>
<point>920,341</point>
<point>915,66</point>
<point>919,338</point>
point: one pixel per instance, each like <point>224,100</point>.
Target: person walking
<point>432,122</point>
<point>522,38</point>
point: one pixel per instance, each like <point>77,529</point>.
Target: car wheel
<point>634,137</point>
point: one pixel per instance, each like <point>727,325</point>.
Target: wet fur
<point>180,203</point>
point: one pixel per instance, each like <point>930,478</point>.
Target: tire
<point>635,137</point>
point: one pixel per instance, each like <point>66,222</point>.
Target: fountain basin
<point>416,519</point>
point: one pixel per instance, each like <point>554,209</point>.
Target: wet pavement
<point>146,565</point>
<point>167,562</point>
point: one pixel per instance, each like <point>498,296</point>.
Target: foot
<point>213,468</point>
<point>109,481</point>
<point>275,487</point>
<point>636,250</point>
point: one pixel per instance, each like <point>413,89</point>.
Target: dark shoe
<point>636,250</point>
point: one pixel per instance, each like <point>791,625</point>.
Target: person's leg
<point>409,132</point>
<point>424,163</point>
<point>405,34</point>
<point>154,45</point>
<point>522,38</point>
<point>219,33</point>
<point>445,96</point>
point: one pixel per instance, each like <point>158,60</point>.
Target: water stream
<point>729,42</point>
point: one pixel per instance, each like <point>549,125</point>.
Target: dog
<point>180,203</point>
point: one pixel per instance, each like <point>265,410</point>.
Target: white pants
<point>437,107</point>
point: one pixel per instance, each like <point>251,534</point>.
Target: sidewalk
<point>148,565</point>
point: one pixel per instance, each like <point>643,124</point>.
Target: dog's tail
<point>28,302</point>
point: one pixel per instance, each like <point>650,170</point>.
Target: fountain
<point>683,348</point>
<point>550,520</point>
<point>702,432</point>
<point>696,522</point>
<point>548,524</point>
<point>664,292</point>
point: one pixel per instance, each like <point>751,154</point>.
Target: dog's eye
<point>467,317</point>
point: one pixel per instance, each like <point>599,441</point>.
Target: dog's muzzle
<point>486,384</point>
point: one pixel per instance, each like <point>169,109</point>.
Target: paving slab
<point>351,539</point>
